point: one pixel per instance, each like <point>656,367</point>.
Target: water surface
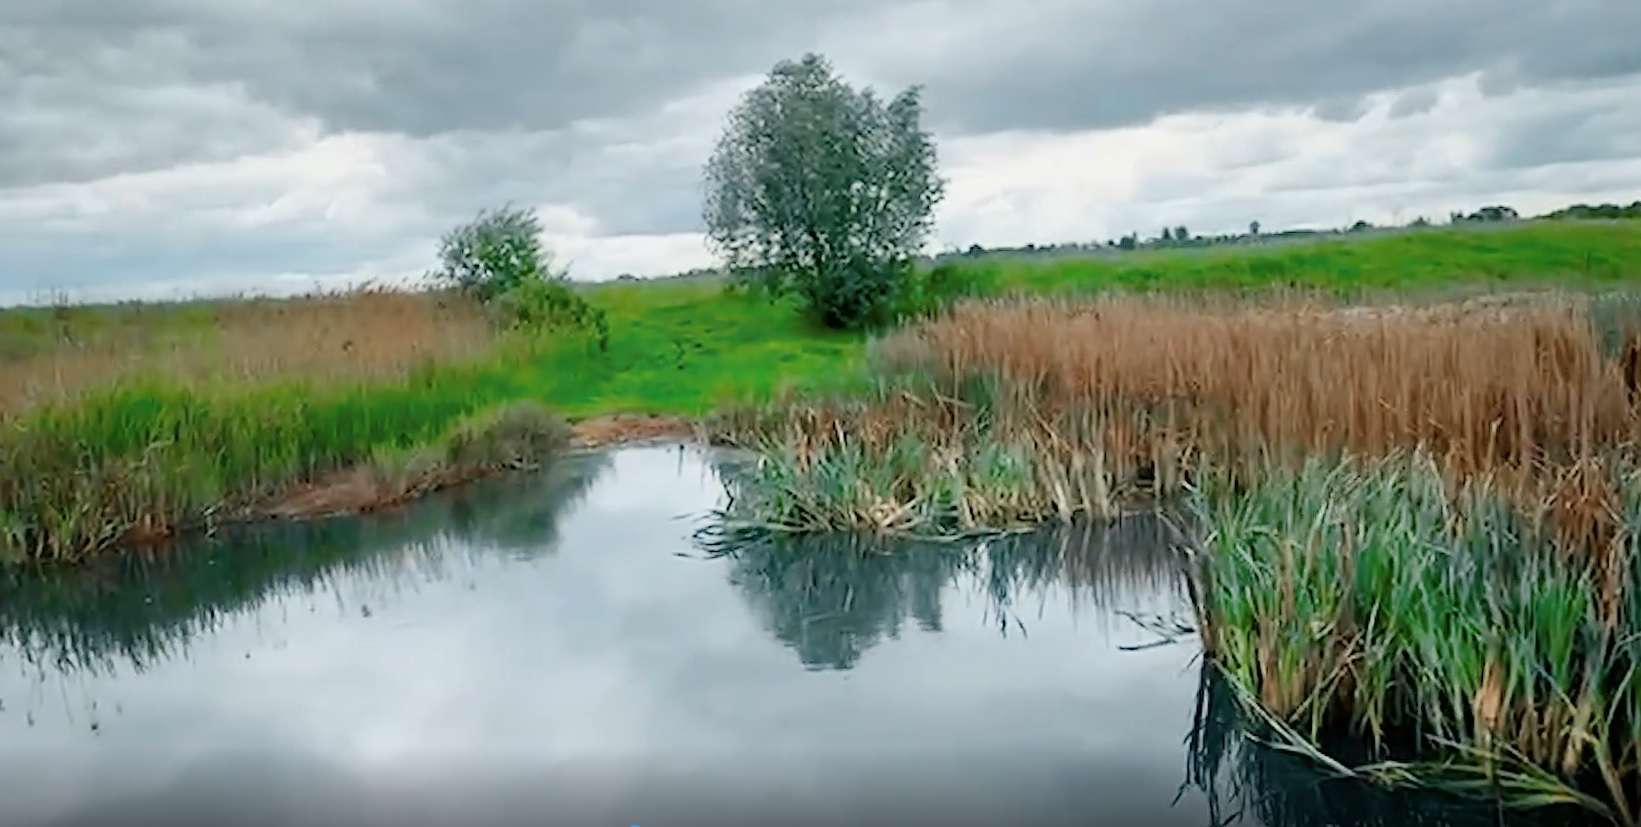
<point>558,650</point>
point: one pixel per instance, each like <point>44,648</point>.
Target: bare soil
<point>362,490</point>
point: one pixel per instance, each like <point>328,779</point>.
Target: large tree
<point>826,191</point>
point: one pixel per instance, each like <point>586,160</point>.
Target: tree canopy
<point>826,191</point>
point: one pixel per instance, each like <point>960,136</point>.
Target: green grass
<point>1592,253</point>
<point>148,461</point>
<point>687,349</point>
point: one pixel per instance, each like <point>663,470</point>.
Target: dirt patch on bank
<point>621,429</point>
<point>354,491</point>
<point>362,490</point>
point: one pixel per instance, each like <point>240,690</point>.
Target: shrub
<point>494,253</point>
<point>499,259</point>
<point>542,302</point>
<point>927,292</point>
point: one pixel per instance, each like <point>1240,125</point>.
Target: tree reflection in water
<point>830,598</point>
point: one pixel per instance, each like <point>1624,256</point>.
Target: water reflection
<point>137,611</point>
<point>550,649</point>
<point>830,599</point>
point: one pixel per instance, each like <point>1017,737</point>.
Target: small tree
<point>822,190</point>
<point>494,253</point>
<point>499,259</point>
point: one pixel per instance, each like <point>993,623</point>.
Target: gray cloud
<point>606,111</point>
<point>1414,102</point>
<point>420,68</point>
<point>1091,65</point>
<point>632,183</point>
<point>1608,131</point>
<point>99,89</point>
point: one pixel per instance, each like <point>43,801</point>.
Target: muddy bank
<point>628,429</point>
<point>366,489</point>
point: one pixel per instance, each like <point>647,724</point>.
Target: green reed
<point>905,459</point>
<point>1441,624</point>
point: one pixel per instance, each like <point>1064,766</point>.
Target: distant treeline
<point>1598,211</point>
<point>1182,237</point>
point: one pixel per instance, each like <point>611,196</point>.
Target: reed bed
<point>1414,525</point>
<point>1445,625</point>
<point>1002,413</point>
<point>1244,776</point>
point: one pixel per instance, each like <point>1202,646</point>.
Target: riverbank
<point>133,421</point>
<point>379,486</point>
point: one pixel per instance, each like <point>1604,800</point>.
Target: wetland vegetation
<point>1414,526</point>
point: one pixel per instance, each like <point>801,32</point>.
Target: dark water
<point>558,650</point>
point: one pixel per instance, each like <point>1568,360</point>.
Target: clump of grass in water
<point>516,436</point>
<point>908,462</point>
<point>1439,622</point>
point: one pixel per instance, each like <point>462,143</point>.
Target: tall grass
<point>144,460</point>
<point>1001,413</point>
<point>1418,524</point>
<point>1245,776</point>
<point>55,355</point>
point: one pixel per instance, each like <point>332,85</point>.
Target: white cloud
<point>1285,168</point>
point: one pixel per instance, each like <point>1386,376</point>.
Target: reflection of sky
<point>609,667</point>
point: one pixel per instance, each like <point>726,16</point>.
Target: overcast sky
<point>155,146</point>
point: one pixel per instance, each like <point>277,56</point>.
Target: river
<point>560,649</point>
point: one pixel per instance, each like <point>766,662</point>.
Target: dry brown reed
<point>1478,387</point>
<point>1115,390</point>
<point>361,334</point>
